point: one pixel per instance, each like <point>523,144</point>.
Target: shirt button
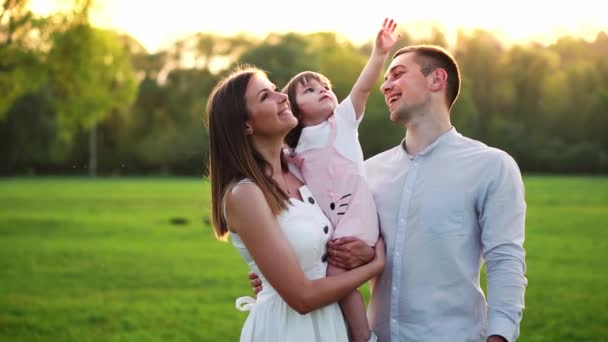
<point>324,257</point>
<point>311,200</point>
<point>326,229</point>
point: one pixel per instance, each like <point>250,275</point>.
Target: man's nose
<point>385,87</point>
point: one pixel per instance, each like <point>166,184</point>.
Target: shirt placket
<point>402,222</point>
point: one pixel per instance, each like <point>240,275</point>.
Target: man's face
<point>406,89</point>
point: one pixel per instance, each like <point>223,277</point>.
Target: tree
<point>84,72</point>
<point>480,56</point>
<point>21,53</point>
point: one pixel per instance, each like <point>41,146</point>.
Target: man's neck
<point>423,132</point>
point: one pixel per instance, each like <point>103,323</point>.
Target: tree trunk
<point>93,151</point>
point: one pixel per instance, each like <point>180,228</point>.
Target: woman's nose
<point>282,97</point>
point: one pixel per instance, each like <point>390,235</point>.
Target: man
<point>446,204</point>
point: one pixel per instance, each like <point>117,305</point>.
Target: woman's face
<point>270,115</point>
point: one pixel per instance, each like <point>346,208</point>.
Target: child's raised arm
<point>385,39</point>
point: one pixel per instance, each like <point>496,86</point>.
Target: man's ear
<point>439,79</point>
<point>248,129</point>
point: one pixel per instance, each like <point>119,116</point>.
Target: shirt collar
<point>440,139</point>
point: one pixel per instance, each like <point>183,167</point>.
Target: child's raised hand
<point>387,37</point>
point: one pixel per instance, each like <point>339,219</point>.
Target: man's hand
<point>349,252</point>
<point>256,283</point>
<point>496,338</point>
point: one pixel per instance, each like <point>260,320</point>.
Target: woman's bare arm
<point>249,215</point>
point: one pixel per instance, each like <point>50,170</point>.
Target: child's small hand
<point>387,37</point>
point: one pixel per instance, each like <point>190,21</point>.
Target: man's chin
<point>397,118</point>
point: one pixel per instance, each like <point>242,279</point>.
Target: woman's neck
<point>271,152</point>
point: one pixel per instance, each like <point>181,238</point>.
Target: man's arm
<point>385,40</point>
<point>502,218</point>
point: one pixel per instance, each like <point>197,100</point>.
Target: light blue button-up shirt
<point>442,213</point>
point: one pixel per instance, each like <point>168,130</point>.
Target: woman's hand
<point>256,283</point>
<point>349,252</point>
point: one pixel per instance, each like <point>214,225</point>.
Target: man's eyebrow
<point>393,69</point>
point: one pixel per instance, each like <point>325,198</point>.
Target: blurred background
<point>104,206</point>
<point>120,87</point>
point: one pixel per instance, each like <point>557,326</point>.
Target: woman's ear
<point>248,129</point>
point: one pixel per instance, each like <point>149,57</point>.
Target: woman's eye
<point>264,96</point>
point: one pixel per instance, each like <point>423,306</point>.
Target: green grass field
<point>84,260</point>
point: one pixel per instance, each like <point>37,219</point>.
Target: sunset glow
<point>156,24</point>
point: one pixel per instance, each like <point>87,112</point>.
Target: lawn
<point>134,259</point>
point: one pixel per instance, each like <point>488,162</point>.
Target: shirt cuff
<point>502,326</point>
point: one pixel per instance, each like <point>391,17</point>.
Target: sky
<point>156,24</point>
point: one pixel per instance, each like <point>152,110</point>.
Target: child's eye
<point>327,88</point>
<point>308,90</point>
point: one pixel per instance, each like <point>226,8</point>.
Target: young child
<point>326,148</point>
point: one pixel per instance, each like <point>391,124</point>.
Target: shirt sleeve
<point>345,113</point>
<point>502,214</point>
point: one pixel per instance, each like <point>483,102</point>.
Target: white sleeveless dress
<point>270,318</point>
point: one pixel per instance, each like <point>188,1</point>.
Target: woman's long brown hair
<point>232,156</point>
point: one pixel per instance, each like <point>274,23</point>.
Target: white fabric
<point>442,213</point>
<point>347,135</point>
<point>270,318</point>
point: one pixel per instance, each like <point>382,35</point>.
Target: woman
<point>272,217</point>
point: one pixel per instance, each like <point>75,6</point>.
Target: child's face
<point>316,101</point>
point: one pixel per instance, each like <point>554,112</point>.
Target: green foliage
<point>530,100</point>
<point>21,62</point>
<point>62,73</point>
<point>91,75</point>
<point>281,56</point>
<point>86,260</point>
